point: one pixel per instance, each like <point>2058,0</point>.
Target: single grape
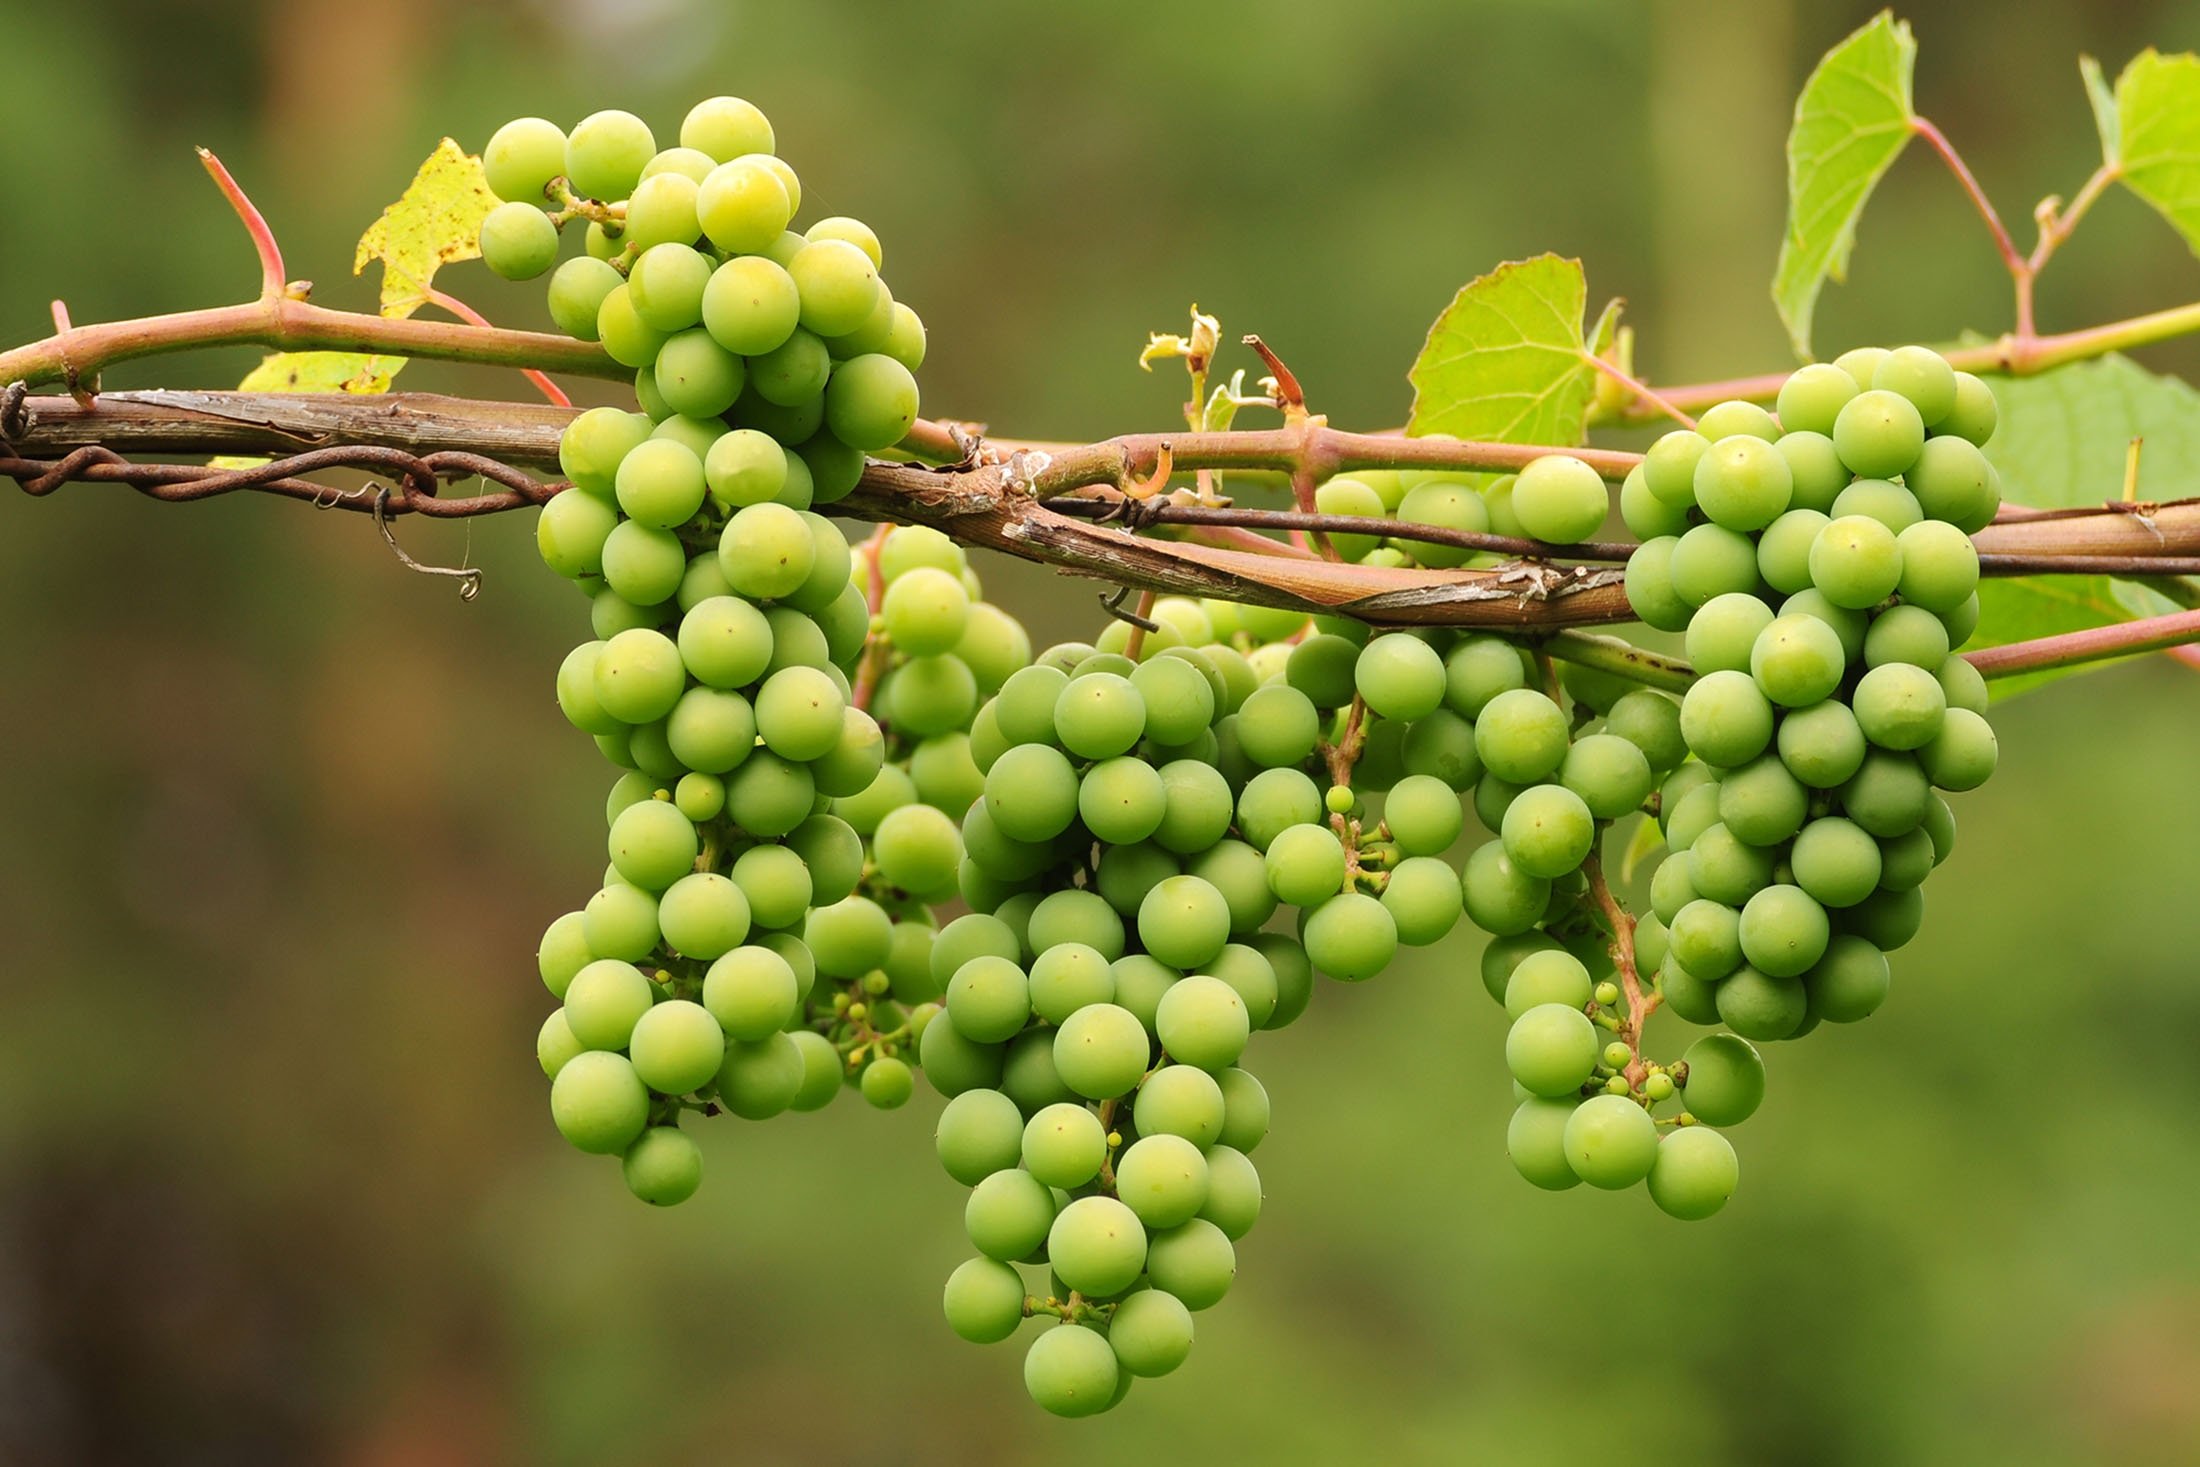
<point>1962,755</point>
<point>663,1167</point>
<point>1202,1021</point>
<point>522,157</point>
<point>1743,483</point>
<point>1646,516</point>
<point>1923,376</point>
<point>1899,706</point>
<point>1693,1173</point>
<point>1150,1333</point>
<point>725,128</point>
<point>1908,634</point>
<point>1008,1214</point>
<point>1737,418</point>
<point>598,1103</point>
<point>1064,1145</point>
<point>1501,898</point>
<point>1726,719</point>
<point>1669,468</point>
<point>1551,1050</point>
<point>606,152</point>
<point>677,1047</point>
<point>1939,566</point>
<point>1424,900</point>
<point>1548,830</point>
<point>1783,551</point>
<point>1821,745</point>
<point>1726,1080</point>
<point>1560,499</point>
<point>1836,862</point>
<point>1724,868</point>
<point>1101,1050</point>
<point>838,284</point>
<point>1850,982</point>
<point>1706,937</point>
<point>979,1133</point>
<point>1816,468</point>
<point>1521,735</point>
<point>1548,975</point>
<point>871,401</point>
<point>518,241</point>
<point>1813,397</point>
<point>1193,1261</point>
<point>1071,1371</point>
<point>1351,936</point>
<point>1783,931</point>
<point>1711,560</point>
<point>1878,433</point>
<point>1400,676</point>
<point>1535,1139</point>
<point>984,1300</point>
<point>1611,1142</point>
<point>1162,1179</point>
<point>1855,562</point>
<point>1725,628</point>
<point>1759,1006</point>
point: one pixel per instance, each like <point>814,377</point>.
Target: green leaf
<point>436,221</point>
<point>1506,361</point>
<point>1851,122</point>
<point>2103,100</point>
<point>2063,442</point>
<point>2158,123</point>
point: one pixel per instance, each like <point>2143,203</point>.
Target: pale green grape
<point>598,1102</point>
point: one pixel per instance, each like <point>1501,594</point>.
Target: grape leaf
<point>1506,361</point>
<point>2158,137</point>
<point>1851,122</point>
<point>2103,100</point>
<point>436,221</point>
<point>2063,441</point>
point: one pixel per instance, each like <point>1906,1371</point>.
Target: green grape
<point>1646,516</point>
<point>1546,976</point>
<point>662,210</point>
<point>799,713</point>
<point>1202,1021</point>
<point>1850,982</point>
<point>1783,931</point>
<point>752,993</point>
<point>606,152</point>
<point>660,483</point>
<point>946,772</point>
<point>1500,897</point>
<point>1193,1261</point>
<point>1797,660</point>
<point>726,127</point>
<point>1071,1371</point>
<point>703,915</point>
<point>653,844</point>
<point>745,467</point>
<point>1761,803</point>
<point>1026,703</point>
<point>984,1300</point>
<point>1783,551</point>
<point>522,157</point>
<point>917,849</point>
<point>1817,471</point>
<point>1424,900</point>
<point>1686,995</point>
<point>1962,621</point>
<point>1179,1100</point>
<point>1125,874</point>
<point>930,695</point>
<point>1848,624</point>
<point>1695,812</point>
<point>1440,746</point>
<point>621,922</point>
<point>1726,719</point>
<point>1351,496</point>
<point>518,241</point>
<point>1908,634</point>
<point>1886,919</point>
<point>854,763</point>
<point>767,551</point>
<point>1962,755</point>
<point>1888,793</point>
<point>1448,505</point>
<point>988,999</point>
<point>1321,667</point>
<point>555,1044</point>
<point>994,645</point>
<point>1400,676</point>
<point>1906,860</point>
<point>850,937</point>
<point>1008,1214</point>
<point>696,434</point>
<point>696,376</point>
<point>1099,715</point>
<point>1724,629</point>
<point>711,730</point>
<point>1273,801</point>
<point>822,1070</point>
<point>1560,499</point>
<point>1535,1139</point>
<point>593,446</point>
<point>1669,468</point>
<point>1031,792</point>
<point>1711,560</point>
<point>1101,1050</point>
<point>1292,972</point>
<point>870,402</point>
<point>1651,721</point>
<point>1150,1333</point>
<point>1726,1080</point>
<point>1305,864</point>
<point>576,686</point>
<point>1184,922</point>
<point>1706,938</point>
<point>1855,562</point>
<point>1899,706</point>
<point>854,231</point>
<point>1064,1146</point>
<point>1424,815</point>
<point>768,796</point>
<point>1759,1006</point>
<point>642,564</point>
<point>1836,862</point>
<point>609,614</point>
<point>1923,376</point>
<point>743,205</point>
<point>760,1080</point>
<point>1548,830</point>
<point>1652,940</point>
<point>1649,584</point>
<point>1876,499</point>
<point>1735,418</point>
<point>1821,745</point>
<point>1245,1109</point>
<point>562,952</point>
<point>1479,670</point>
<point>1693,1173</point>
<point>598,1103</point>
<point>1610,1142</point>
<point>1521,735</point>
<point>1351,936</point>
<point>1075,917</point>
<point>1813,397</point>
<point>1939,566</point>
<point>571,533</point>
<point>1551,1050</point>
<point>665,288</point>
<point>979,1133</point>
<point>838,284</point>
<point>677,1047</point>
<point>1861,362</point>
<point>1723,867</point>
<point>1162,1179</point>
<point>1878,434</point>
<point>1974,415</point>
<point>833,854</point>
<point>1069,976</point>
<point>1743,483</point>
<point>926,612</point>
<point>972,935</point>
<point>1096,1245</point>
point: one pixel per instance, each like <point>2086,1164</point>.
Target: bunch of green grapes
<point>1821,567</point>
<point>728,625</point>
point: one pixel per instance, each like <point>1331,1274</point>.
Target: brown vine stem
<point>2148,634</point>
<point>1640,1005</point>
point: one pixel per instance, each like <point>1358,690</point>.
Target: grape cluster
<point>743,950</point>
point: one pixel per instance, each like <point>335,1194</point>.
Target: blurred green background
<point>282,822</point>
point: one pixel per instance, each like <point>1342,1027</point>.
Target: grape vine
<point>860,829</point>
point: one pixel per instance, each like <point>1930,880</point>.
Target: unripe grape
<point>1693,1173</point>
<point>1783,932</point>
<point>1923,376</point>
<point>984,1300</point>
<point>518,241</point>
<point>1813,397</point>
<point>662,1168</point>
<point>598,1102</point>
<point>1548,830</point>
<point>1726,1080</point>
<point>1710,560</point>
<point>1724,629</point>
<point>1150,1333</point>
<point>1758,1006</point>
<point>1797,660</point>
<point>522,157</point>
<point>1822,745</point>
<point>870,402</point>
<point>1850,982</point>
<point>1350,936</point>
<point>1070,1371</point>
<point>726,128</point>
<point>1783,551</point>
<point>1521,735</point>
<point>1908,634</point>
<point>1890,504</point>
<point>1535,1139</point>
<point>1878,434</point>
<point>1855,562</point>
<point>1939,566</point>
<point>1726,719</point>
<point>1743,483</point>
<point>1962,754</point>
<point>1611,1142</point>
<point>1551,1050</point>
<point>1975,414</point>
<point>677,1047</point>
<point>1818,473</point>
<point>1669,468</point>
<point>606,152</point>
<point>1202,1021</point>
<point>1736,418</point>
<point>1501,898</point>
<point>1400,676</point>
<point>1560,499</point>
<point>1547,976</point>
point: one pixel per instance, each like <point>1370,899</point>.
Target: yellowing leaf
<point>1506,360</point>
<point>1850,124</point>
<point>436,221</point>
<point>321,371</point>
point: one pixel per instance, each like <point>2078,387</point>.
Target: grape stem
<point>1640,1005</point>
<point>876,648</point>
